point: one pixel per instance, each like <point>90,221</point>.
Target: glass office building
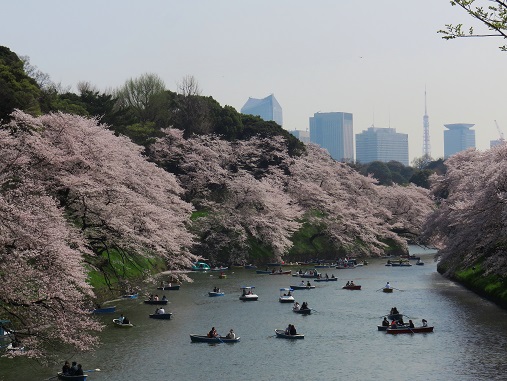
<point>458,137</point>
<point>381,144</point>
<point>334,132</point>
<point>267,108</point>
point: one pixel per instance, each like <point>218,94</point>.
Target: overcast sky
<point>372,58</point>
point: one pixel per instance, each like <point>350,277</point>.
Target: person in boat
<point>424,323</point>
<point>296,306</point>
<point>164,297</point>
<point>231,334</point>
<point>308,284</point>
<point>348,284</point>
<point>213,332</point>
<point>162,284</point>
<point>73,369</point>
<point>121,318</point>
<point>304,306</point>
<point>410,324</point>
<point>395,311</point>
<point>394,324</point>
<point>161,311</point>
<point>385,322</point>
<point>79,371</point>
<point>289,293</point>
<point>151,297</point>
<point>332,276</point>
<point>400,321</point>
<point>327,276</point>
<point>292,330</point>
<point>287,330</point>
<point>351,283</point>
<point>125,320</point>
<point>66,368</point>
<point>156,297</point>
<point>302,283</point>
<point>388,285</point>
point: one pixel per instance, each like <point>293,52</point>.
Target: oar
<point>398,289</point>
<point>379,289</point>
<point>91,370</point>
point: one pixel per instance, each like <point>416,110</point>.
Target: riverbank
<point>476,278</point>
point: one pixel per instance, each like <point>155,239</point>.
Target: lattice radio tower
<point>426,130</point>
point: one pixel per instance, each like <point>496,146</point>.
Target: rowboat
<point>249,267</point>
<point>247,294</point>
<point>155,302</point>
<point>395,331</point>
<point>130,296</point>
<point>62,376</point>
<point>286,295</point>
<point>281,334</point>
<point>104,310</point>
<point>387,289</point>
<point>213,293</point>
<point>121,325</point>
<point>206,339</point>
<point>219,268</point>
<point>280,272</point>
<point>200,266</point>
<point>353,287</point>
<point>166,316</point>
<point>172,287</point>
<point>302,311</point>
<point>301,287</point>
<point>310,274</point>
<point>419,263</point>
<point>325,279</point>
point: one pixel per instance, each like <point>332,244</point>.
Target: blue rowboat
<point>62,376</point>
<point>213,294</point>
<point>130,296</point>
<point>104,310</point>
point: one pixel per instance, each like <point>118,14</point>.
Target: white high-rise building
<point>381,144</point>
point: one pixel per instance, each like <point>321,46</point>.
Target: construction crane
<point>499,131</point>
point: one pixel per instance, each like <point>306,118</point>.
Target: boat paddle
<point>398,289</point>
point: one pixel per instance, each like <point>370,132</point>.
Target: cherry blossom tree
<point>71,193</point>
<point>470,224</point>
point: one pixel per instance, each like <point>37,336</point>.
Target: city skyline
<point>375,63</point>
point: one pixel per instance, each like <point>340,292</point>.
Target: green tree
<point>381,172</point>
<point>17,89</point>
<point>492,14</point>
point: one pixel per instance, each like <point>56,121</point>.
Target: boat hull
<point>302,287</point>
<point>306,311</point>
<point>325,280</point>
<point>281,334</point>
<point>174,288</point>
<point>387,290</point>
<point>61,376</point>
<point>166,316</point>
<point>155,302</point>
<point>357,287</point>
<point>248,298</point>
<point>105,310</point>
<point>206,339</point>
<point>214,294</point>
<point>396,331</point>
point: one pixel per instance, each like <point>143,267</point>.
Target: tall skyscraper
<point>458,137</point>
<point>381,144</point>
<point>426,131</point>
<point>334,131</point>
<point>267,108</point>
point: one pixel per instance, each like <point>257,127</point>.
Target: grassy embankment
<point>492,287</point>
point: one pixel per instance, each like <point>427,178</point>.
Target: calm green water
<point>341,339</point>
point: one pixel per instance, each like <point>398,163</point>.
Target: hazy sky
<point>372,58</point>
